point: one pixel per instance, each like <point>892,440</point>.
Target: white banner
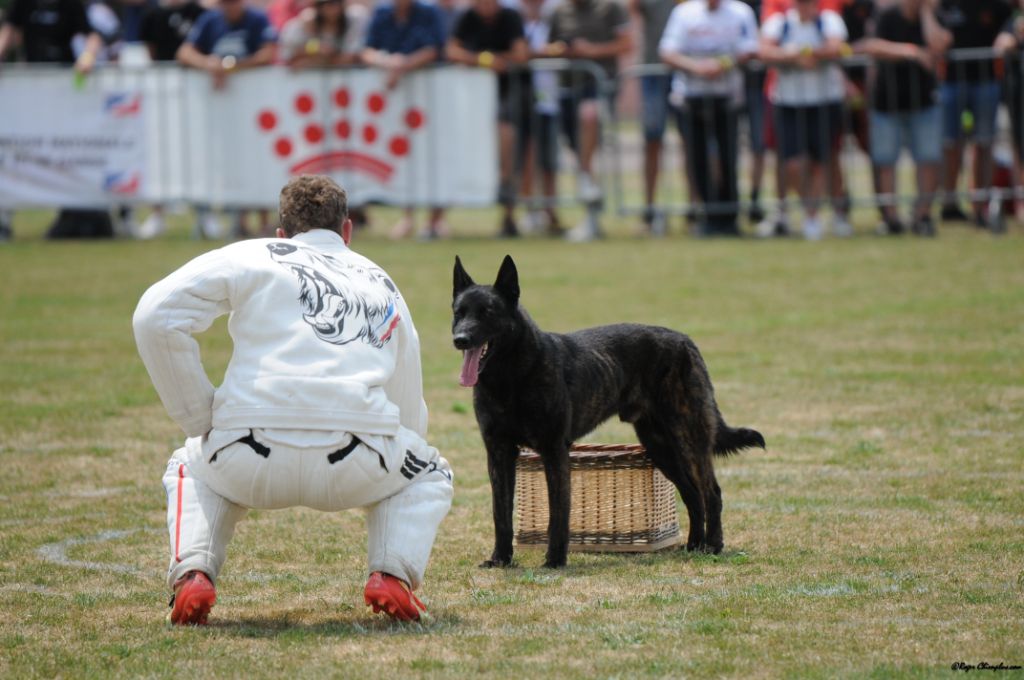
<point>62,146</point>
<point>430,141</point>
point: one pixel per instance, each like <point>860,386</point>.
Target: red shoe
<point>194,595</point>
<point>392,595</point>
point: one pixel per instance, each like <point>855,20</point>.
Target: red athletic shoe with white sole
<point>392,596</point>
<point>194,596</point>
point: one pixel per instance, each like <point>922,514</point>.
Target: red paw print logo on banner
<point>366,144</point>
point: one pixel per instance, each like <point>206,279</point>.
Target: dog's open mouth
<point>471,365</point>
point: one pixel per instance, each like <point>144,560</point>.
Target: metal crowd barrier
<point>619,159</point>
<point>675,191</point>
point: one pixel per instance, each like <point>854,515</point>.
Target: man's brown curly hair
<point>312,202</point>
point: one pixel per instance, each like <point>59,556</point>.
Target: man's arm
<point>169,313</point>
<point>936,36</point>
<point>405,388</point>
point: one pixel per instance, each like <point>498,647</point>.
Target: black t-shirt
<point>857,15</point>
<point>973,23</point>
<point>496,35</point>
<point>165,28</point>
<point>47,27</point>
<point>901,85</point>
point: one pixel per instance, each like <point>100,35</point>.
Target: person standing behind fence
<point>654,91</point>
<point>222,42</point>
<point>706,40</point>
<point>591,30</point>
<point>908,42</point>
<point>330,33</point>
<point>404,36</point>
<point>538,145</point>
<point>45,30</point>
<point>754,104</point>
<point>970,98</point>
<point>804,44</point>
<point>491,36</point>
<point>1010,44</point>
<point>163,29</point>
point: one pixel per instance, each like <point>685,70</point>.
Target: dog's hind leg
<point>665,451</point>
<point>557,476</point>
<point>713,503</point>
<point>501,468</point>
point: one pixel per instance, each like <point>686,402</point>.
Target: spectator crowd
<point>795,76</point>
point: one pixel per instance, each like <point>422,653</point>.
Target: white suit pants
<point>211,482</point>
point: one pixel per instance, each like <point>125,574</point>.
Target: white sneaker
<point>771,226</point>
<point>585,231</point>
<point>209,225</point>
<point>533,222</point>
<point>842,227</point>
<point>590,191</point>
<point>151,227</point>
<point>812,229</point>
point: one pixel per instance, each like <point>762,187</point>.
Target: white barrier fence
<point>164,134</point>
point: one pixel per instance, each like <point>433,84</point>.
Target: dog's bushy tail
<point>731,440</point>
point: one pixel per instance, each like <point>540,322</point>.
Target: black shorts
<point>813,131</point>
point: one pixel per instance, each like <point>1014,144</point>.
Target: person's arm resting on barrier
<point>10,36</point>
<point>168,315</point>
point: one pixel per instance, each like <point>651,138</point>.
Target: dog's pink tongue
<point>470,366</point>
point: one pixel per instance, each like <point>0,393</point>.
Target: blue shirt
<point>212,34</point>
<point>424,28</point>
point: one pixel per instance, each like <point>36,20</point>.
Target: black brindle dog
<point>545,390</point>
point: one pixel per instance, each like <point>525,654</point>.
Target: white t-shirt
<point>730,30</point>
<point>300,30</point>
<point>802,87</point>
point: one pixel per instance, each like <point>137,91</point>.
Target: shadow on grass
<point>286,626</point>
<point>595,563</point>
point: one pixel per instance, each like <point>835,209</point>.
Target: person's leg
<point>727,136</point>
<point>754,81</point>
<point>694,131</point>
<point>984,100</point>
<point>405,226</point>
<point>923,134</point>
<point>885,148</point>
<point>200,522</point>
<point>402,527</point>
<point>654,90</point>
<point>506,171</point>
<point>835,180</point>
<point>952,97</point>
<point>547,151</point>
<point>6,224</point>
<point>436,226</point>
<point>590,127</point>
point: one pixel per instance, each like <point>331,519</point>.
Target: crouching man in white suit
<point>321,405</point>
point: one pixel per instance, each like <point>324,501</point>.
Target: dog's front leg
<point>556,473</point>
<point>501,468</point>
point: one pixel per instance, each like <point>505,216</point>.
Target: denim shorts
<point>654,90</point>
<point>918,130</point>
<point>981,99</point>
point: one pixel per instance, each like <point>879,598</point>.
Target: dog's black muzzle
<point>462,341</point>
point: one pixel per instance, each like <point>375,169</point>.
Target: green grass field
<point>881,534</point>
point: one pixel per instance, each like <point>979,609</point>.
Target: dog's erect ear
<point>461,280</point>
<point>507,283</point>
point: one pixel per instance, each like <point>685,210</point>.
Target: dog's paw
<point>496,563</point>
<point>704,548</point>
<point>554,564</point>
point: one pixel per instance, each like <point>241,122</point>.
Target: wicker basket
<point>620,501</point>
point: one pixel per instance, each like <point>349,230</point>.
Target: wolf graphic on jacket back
<point>343,302</point>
